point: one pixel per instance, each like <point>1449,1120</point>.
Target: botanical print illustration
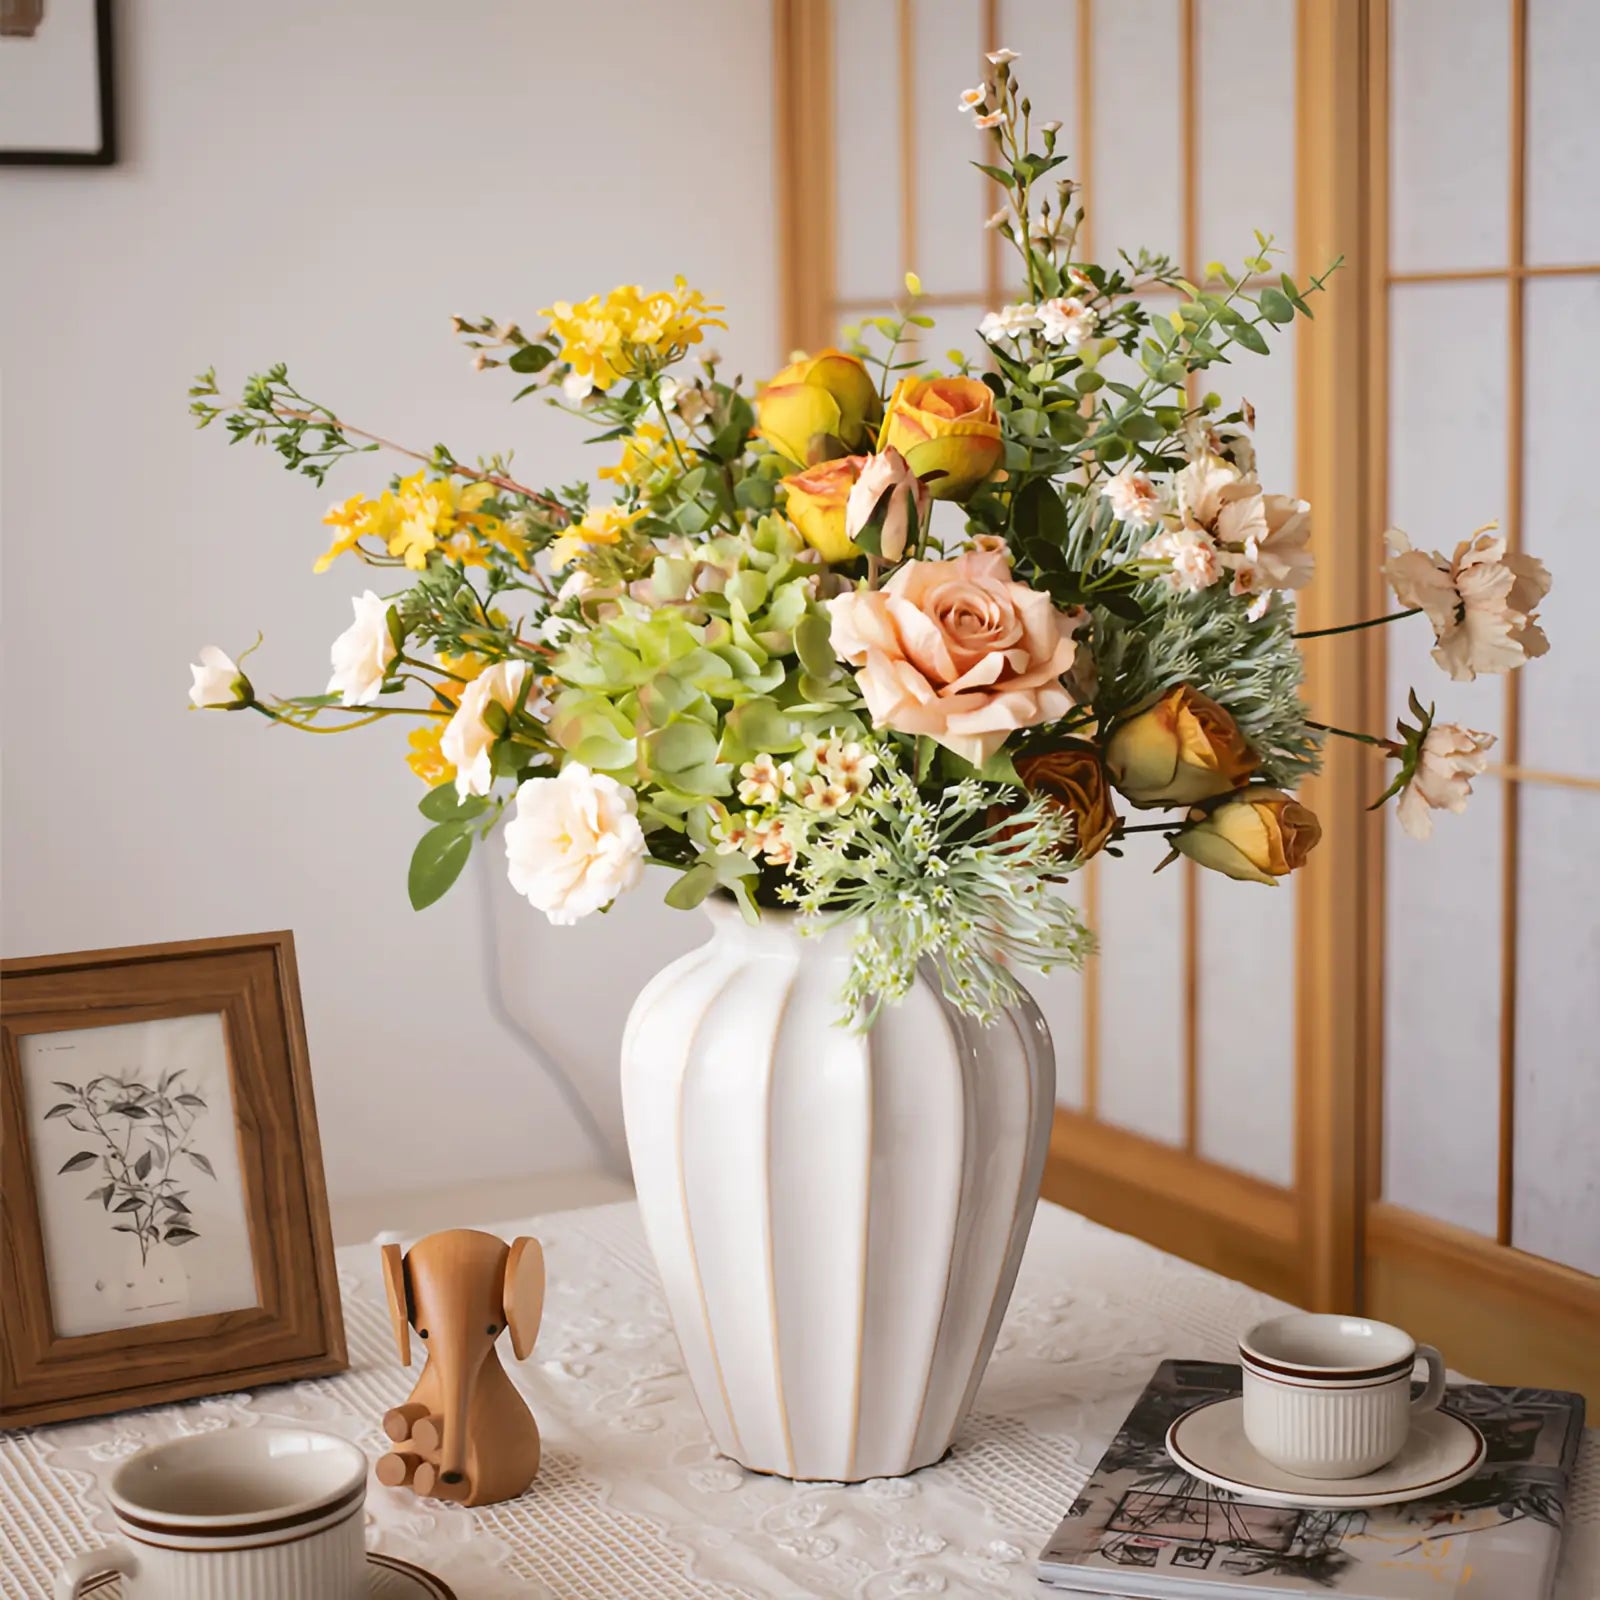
<point>138,1135</point>
<point>135,1154</point>
<point>1495,1536</point>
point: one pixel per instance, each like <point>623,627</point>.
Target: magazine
<point>1143,1527</point>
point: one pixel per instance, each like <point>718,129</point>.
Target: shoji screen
<point>1176,1048</point>
<point>1487,275</point>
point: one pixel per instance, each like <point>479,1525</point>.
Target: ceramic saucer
<point>1209,1443</point>
<point>388,1578</point>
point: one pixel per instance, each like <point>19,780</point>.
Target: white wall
<point>325,184</point>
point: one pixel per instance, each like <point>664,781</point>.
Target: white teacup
<point>1330,1396</point>
<point>242,1514</point>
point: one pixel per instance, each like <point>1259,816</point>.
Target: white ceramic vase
<point>837,1218</point>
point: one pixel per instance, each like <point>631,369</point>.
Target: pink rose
<point>957,650</point>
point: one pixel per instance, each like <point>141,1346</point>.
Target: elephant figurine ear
<point>524,1294</point>
<point>394,1283</point>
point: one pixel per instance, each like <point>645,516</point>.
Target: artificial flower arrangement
<point>751,654</point>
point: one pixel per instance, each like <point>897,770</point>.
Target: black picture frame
<point>106,154</point>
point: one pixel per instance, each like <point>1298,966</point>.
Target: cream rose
<point>574,844</point>
<point>217,683</point>
<point>468,742</point>
<point>363,653</point>
<point>957,650</point>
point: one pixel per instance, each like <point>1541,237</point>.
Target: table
<point>633,1501</point>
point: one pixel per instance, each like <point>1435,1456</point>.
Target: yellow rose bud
<point>1075,779</point>
<point>946,426</point>
<point>1260,836</point>
<point>817,499</point>
<point>821,397</point>
<point>1181,749</point>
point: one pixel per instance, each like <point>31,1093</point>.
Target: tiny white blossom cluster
<point>1065,322</point>
<point>826,779</point>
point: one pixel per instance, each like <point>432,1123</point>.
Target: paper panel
<point>866,148</point>
<point>1441,1002</point>
<point>952,196</point>
<point>1449,130</point>
<point>1134,189</point>
<point>1556,1162</point>
<point>1447,464</point>
<point>1141,1081</point>
<point>1560,731</point>
<point>1245,79</point>
<point>1563,182</point>
<point>1246,1011</point>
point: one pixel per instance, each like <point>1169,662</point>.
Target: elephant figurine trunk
<point>465,1433</point>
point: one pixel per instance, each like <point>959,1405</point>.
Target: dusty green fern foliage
<point>933,881</point>
<point>1252,668</point>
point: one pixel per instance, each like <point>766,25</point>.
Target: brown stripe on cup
<point>215,1528</point>
<point>1287,1369</point>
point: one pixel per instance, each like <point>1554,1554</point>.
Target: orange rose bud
<point>1075,779</point>
<point>1180,749</point>
<point>946,426</point>
<point>817,500</point>
<point>1259,836</point>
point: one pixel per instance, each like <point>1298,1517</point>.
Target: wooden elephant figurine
<point>465,1434</point>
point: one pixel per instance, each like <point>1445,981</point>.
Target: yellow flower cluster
<point>419,516</point>
<point>646,455</point>
<point>627,332</point>
<point>602,525</point>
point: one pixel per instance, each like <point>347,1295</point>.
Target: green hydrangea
<point>726,657</point>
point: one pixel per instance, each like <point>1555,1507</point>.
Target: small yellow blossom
<point>416,518</point>
<point>425,758</point>
<point>646,454</point>
<point>628,332</point>
<point>603,525</point>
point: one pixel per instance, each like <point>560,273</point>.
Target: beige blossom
<point>1482,601</point>
<point>957,650</point>
<point>1191,557</point>
<point>1450,757</point>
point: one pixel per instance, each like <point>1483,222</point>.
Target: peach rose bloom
<point>957,650</point>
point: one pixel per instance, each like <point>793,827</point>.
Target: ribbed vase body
<point>837,1218</point>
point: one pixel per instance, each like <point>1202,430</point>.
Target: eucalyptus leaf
<point>84,1158</point>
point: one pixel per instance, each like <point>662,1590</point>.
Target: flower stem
<point>1388,746</point>
<point>1355,627</point>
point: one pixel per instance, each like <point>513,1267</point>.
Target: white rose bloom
<point>576,386</point>
<point>218,684</point>
<point>363,653</point>
<point>1008,322</point>
<point>1450,758</point>
<point>1067,321</point>
<point>468,741</point>
<point>574,844</point>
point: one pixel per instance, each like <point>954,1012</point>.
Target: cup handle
<point>113,1558</point>
<point>1433,1389</point>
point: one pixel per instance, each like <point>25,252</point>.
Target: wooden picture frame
<point>99,1312</point>
<point>21,22</point>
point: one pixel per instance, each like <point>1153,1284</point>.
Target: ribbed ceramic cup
<point>242,1514</point>
<point>1330,1396</point>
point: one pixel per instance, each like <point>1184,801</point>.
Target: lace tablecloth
<point>632,1500</point>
